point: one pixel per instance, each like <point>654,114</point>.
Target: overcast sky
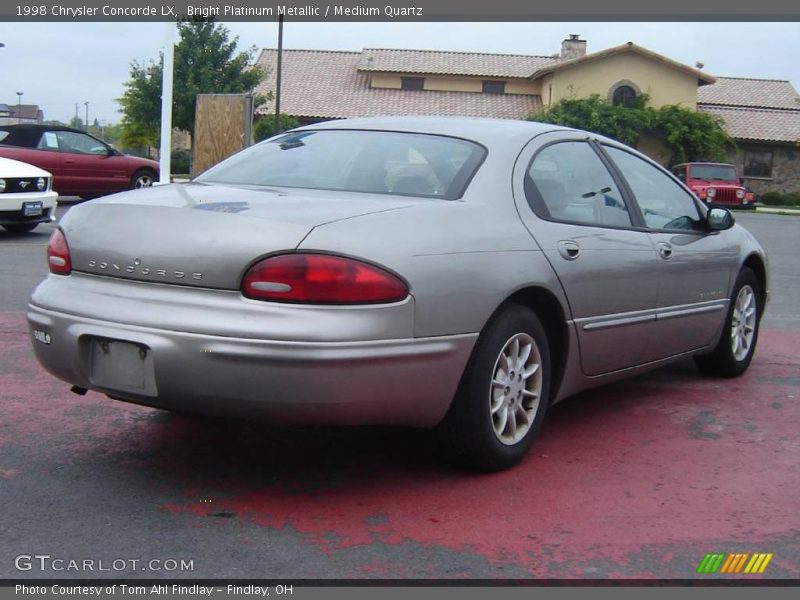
<point>57,65</point>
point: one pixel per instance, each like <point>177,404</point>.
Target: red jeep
<point>714,183</point>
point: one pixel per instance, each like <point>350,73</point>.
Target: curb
<point>777,210</point>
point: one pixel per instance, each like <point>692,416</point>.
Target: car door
<point>49,158</point>
<point>694,265</point>
<point>89,164</point>
<point>575,209</point>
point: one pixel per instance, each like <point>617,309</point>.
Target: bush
<point>772,199</point>
<point>180,162</point>
<point>687,134</point>
<point>779,199</point>
<point>265,126</point>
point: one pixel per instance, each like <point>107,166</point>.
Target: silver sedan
<point>462,274</point>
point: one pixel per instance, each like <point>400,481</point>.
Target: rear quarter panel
<point>460,259</point>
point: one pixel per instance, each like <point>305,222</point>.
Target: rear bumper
<point>408,381</point>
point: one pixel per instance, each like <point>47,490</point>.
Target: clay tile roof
<point>735,91</point>
<point>328,84</point>
<point>703,78</point>
<point>757,124</point>
<point>435,62</point>
<point>25,111</point>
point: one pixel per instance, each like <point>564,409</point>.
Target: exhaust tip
<point>78,390</point>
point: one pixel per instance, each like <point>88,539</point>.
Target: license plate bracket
<point>123,366</point>
<point>32,209</point>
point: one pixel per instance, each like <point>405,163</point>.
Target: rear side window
<point>48,141</point>
<point>664,203</point>
<point>377,162</point>
<point>567,181</point>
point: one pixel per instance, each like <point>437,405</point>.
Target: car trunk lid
<point>202,235</point>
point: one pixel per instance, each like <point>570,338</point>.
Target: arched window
<point>623,96</point>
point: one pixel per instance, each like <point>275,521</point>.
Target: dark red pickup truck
<point>81,164</point>
<point>714,183</point>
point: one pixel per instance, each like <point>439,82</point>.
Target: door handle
<point>664,250</point>
<point>569,249</point>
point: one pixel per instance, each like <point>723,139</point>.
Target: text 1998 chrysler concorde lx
<point>454,273</point>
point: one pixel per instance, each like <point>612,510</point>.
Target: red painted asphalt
<point>637,479</point>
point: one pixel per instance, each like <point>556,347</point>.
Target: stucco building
<point>762,116</point>
<point>12,114</point>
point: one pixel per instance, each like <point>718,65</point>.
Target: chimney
<point>573,47</point>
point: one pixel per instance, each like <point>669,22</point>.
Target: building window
<point>623,96</point>
<point>757,163</point>
<point>412,83</point>
<point>494,87</point>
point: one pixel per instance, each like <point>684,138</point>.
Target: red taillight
<point>58,254</point>
<point>321,279</point>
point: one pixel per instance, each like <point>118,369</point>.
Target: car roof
<point>39,127</point>
<point>482,130</point>
<point>27,135</point>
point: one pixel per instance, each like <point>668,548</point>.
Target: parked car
<point>715,183</point>
<point>26,197</point>
<point>462,274</point>
<point>81,164</point>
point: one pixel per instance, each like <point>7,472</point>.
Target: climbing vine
<point>687,134</point>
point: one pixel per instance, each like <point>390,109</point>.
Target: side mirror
<point>719,219</point>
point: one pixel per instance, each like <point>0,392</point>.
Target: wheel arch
<point>553,317</point>
<point>756,264</point>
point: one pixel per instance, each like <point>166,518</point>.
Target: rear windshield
<point>378,162</point>
<point>713,172</point>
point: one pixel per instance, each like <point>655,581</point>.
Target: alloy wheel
<point>516,388</point>
<point>743,323</point>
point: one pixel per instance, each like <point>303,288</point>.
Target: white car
<point>26,196</point>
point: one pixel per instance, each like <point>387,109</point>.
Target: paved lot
<point>637,479</point>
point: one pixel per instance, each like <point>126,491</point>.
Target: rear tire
<point>142,178</point>
<point>503,395</point>
<point>734,351</point>
<point>20,228</point>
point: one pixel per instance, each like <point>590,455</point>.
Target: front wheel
<point>503,395</point>
<point>733,353</point>
<point>142,179</point>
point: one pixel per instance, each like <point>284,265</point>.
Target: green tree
<point>687,134</point>
<point>206,62</point>
<point>110,133</point>
<point>141,106</point>
<point>265,126</point>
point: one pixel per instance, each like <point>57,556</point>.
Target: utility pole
<point>86,122</point>
<point>76,115</point>
<point>19,107</point>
